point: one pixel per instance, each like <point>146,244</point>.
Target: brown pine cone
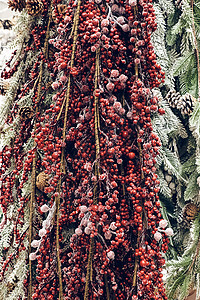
<point>190,211</point>
<point>16,4</point>
<point>4,86</point>
<point>34,7</point>
<point>173,98</point>
<point>42,181</point>
<point>186,104</point>
<point>26,113</point>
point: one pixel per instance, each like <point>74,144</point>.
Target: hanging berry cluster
<point>20,158</point>
<point>100,152</point>
<point>94,157</point>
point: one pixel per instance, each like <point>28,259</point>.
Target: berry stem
<point>97,126</point>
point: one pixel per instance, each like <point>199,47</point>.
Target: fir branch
<point>194,121</point>
<point>181,262</point>
<point>173,124</point>
<point>164,188</point>
<point>185,287</point>
<point>178,281</point>
<point>172,163</point>
<point>189,166</point>
<point>195,45</point>
<point>167,6</point>
<point>158,41</point>
<point>183,63</point>
<point>192,189</point>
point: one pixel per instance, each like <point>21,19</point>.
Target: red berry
<point>131,155</point>
<point>55,155</point>
<point>139,209</point>
<point>63,65</point>
<point>143,263</point>
<point>139,105</point>
<point>161,111</point>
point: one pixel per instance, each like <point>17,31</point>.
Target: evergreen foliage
<point>179,28</point>
<point>184,272</point>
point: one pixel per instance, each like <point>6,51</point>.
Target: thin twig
<point>62,167</point>
<point>75,25</point>
<point>96,128</point>
<point>33,175</point>
<point>107,287</point>
<point>91,250</point>
<point>58,246</point>
<point>134,284</point>
<point>33,181</point>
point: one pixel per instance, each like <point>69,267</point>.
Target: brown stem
<point>75,30</point>
<point>140,155</point>
<point>46,43</point>
<point>58,248</point>
<point>136,71</point>
<point>136,66</point>
<point>122,167</point>
<point>107,287</point>
<point>196,46</point>
<point>88,279</point>
<point>62,167</point>
<point>33,180</point>
<point>97,125</point>
<point>33,175</point>
<point>32,200</point>
<point>139,234</point>
<point>96,99</point>
<point>135,273</point>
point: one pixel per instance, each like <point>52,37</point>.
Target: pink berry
<point>157,236</point>
<point>111,255</point>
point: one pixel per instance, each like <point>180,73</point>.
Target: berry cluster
<point>96,145</point>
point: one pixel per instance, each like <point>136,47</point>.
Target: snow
<point>5,12</point>
<point>6,36</point>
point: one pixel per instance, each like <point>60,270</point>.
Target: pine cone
<point>7,24</point>
<point>16,4</point>
<point>190,211</point>
<point>26,113</point>
<point>173,98</point>
<point>4,86</point>
<point>10,287</point>
<point>34,7</point>
<point>42,181</point>
<point>186,104</point>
